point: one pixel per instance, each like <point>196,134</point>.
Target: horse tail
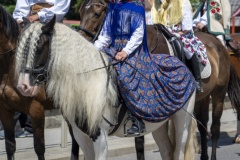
<point>234,90</point>
<point>192,145</point>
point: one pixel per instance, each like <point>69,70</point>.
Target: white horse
<point>87,98</point>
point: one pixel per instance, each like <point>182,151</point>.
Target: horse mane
<point>9,24</point>
<point>82,97</point>
<point>83,5</point>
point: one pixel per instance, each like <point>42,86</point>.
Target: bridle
<point>41,73</point>
<point>89,32</point>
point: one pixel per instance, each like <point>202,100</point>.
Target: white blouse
<point>136,39</point>
<point>187,15</point>
<point>202,19</point>
<point>60,9</point>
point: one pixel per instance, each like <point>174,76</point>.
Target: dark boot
<point>194,64</point>
<point>137,128</point>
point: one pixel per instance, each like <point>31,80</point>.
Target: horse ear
<point>47,28</point>
<point>26,21</point>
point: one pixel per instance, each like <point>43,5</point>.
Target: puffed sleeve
<point>60,9</point>
<point>187,22</point>
<point>136,38</point>
<point>22,9</point>
<point>104,39</point>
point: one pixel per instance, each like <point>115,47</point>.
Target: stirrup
<point>141,129</point>
<point>199,88</point>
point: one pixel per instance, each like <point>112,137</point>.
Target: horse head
<point>34,44</point>
<point>92,14</point>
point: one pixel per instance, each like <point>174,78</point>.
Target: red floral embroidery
<point>218,9</point>
<point>213,10</point>
<point>213,3</point>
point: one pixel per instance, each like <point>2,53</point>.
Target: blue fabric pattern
<point>153,86</point>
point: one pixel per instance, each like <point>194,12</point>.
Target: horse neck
<point>6,56</point>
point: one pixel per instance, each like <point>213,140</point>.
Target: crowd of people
<point>123,37</point>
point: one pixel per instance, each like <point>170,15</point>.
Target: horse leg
<point>85,141</point>
<point>75,146</point>
<point>139,145</point>
<point>201,113</point>
<point>237,136</point>
<point>217,105</point>
<point>164,144</point>
<point>37,114</point>
<point>7,119</point>
<point>101,145</point>
<point>182,121</point>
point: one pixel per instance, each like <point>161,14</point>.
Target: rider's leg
<point>138,126</point>
<point>194,64</point>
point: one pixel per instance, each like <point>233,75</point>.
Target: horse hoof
<point>236,139</point>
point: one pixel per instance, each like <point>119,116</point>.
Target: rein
<point>87,31</point>
<point>8,51</point>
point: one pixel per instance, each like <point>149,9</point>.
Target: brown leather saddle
<point>38,6</point>
<point>233,45</point>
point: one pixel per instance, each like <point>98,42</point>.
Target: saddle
<point>174,41</point>
<point>233,46</point>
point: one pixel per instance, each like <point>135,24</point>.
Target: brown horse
<point>235,59</point>
<point>11,100</point>
<point>222,79</point>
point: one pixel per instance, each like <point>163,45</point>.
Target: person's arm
<point>60,9</point>
<point>22,9</point>
<point>135,40</point>
<point>187,22</point>
<point>203,19</point>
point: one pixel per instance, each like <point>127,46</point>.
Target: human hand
<point>200,25</point>
<point>33,18</point>
<point>180,33</point>
<point>121,56</point>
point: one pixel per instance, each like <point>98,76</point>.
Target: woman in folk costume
<point>41,10</point>
<point>176,15</point>
<point>153,86</point>
<point>215,14</point>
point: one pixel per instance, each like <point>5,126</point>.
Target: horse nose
<point>24,89</point>
<point>23,85</point>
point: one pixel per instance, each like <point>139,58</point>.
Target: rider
<point>177,17</point>
<point>147,83</point>
<point>215,14</point>
<point>41,10</point>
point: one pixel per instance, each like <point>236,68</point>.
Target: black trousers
<point>24,120</point>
